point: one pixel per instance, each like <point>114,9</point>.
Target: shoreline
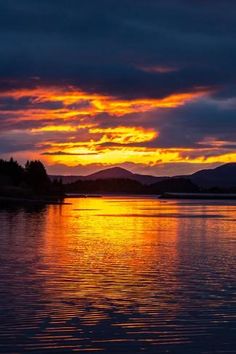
<point>30,201</point>
<point>199,196</point>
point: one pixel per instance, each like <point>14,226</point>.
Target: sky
<point>145,85</point>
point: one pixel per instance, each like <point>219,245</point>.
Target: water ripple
<point>114,275</point>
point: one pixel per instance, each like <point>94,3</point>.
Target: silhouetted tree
<point>36,177</point>
<point>12,171</point>
<point>111,185</point>
<point>128,186</point>
<point>57,187</point>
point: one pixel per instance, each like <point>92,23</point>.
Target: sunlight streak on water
<point>118,275</point>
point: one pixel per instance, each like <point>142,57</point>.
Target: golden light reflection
<point>106,248</point>
<point>112,273</point>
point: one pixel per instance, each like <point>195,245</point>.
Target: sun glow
<point>73,127</point>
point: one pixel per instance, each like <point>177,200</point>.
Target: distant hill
<point>118,172</point>
<point>112,173</point>
<point>223,176</point>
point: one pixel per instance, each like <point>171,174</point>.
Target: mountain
<point>118,172</point>
<point>114,172</point>
<point>110,173</point>
<point>223,176</point>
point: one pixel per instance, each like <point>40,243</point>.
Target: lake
<point>119,275</point>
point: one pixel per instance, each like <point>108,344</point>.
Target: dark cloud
<point>101,46</point>
<point>13,143</point>
<point>190,124</point>
<point>27,103</point>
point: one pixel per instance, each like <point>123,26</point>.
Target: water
<point>119,275</point>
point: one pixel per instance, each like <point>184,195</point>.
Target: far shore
<point>166,195</point>
<point>212,196</point>
<point>31,201</point>
<point>46,200</point>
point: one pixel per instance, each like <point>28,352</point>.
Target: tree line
<point>31,178</point>
<point>129,186</point>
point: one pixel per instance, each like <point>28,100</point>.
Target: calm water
<point>119,275</point>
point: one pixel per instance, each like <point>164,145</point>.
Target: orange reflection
<point>106,248</point>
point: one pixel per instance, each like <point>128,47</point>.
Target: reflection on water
<point>118,275</point>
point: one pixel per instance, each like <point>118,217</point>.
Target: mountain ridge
<point>221,176</point>
<point>112,172</point>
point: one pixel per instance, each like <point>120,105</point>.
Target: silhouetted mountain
<point>115,173</point>
<point>174,185</point>
<point>118,172</point>
<point>223,176</point>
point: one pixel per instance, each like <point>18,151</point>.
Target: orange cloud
<point>87,142</point>
<point>145,156</point>
<point>124,135</point>
<point>60,128</point>
<point>78,103</point>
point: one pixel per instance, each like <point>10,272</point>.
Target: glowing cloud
<point>64,125</point>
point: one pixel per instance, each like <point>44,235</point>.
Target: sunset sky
<point>149,85</point>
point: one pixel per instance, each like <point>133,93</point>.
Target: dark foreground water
<point>119,275</point>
